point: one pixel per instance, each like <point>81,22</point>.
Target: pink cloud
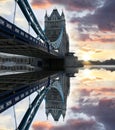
<point>71,5</point>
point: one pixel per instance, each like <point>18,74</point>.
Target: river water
<point>90,104</point>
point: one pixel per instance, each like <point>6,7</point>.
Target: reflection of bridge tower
<point>57,97</point>
<point>53,26</point>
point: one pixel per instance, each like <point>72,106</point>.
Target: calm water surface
<point>90,104</point>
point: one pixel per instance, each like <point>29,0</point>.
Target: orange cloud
<point>44,4</point>
<point>42,125</point>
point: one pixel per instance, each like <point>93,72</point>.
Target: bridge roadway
<point>16,41</point>
<point>16,87</point>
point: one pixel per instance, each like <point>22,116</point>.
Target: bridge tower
<point>56,98</point>
<point>53,27</point>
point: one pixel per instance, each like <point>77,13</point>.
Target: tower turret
<point>46,16</point>
<point>53,27</point>
<point>62,15</point>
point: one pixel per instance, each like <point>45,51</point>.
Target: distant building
<point>53,27</point>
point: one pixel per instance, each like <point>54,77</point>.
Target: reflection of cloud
<point>6,122</point>
<point>104,112</point>
<point>96,75</point>
<point>41,125</point>
<point>3,128</point>
<point>94,83</point>
<point>96,97</point>
<point>90,110</point>
<point>71,124</point>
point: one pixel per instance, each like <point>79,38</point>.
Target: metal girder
<point>30,113</point>
<point>28,13</point>
<point>27,120</point>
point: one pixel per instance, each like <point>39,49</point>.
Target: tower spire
<point>46,16</point>
<point>47,114</point>
<point>62,14</point>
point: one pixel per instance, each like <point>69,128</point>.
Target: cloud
<point>103,17</point>
<point>70,5</point>
<point>4,8</point>
<point>101,38</point>
<point>4,0</point>
<point>41,3</point>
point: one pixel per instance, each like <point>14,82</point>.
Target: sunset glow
<point>86,57</point>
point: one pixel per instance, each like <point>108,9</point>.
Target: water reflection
<point>92,100</point>
<point>86,102</point>
<point>17,64</point>
<point>15,88</point>
<point>56,98</point>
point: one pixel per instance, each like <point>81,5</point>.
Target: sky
<point>90,24</point>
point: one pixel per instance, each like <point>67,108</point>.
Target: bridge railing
<point>23,92</point>
<point>15,32</point>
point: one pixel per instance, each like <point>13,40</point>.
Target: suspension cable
<point>29,25</point>
<point>15,120</point>
<point>14,16</point>
<point>29,99</point>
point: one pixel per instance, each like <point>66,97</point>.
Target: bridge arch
<point>56,86</point>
